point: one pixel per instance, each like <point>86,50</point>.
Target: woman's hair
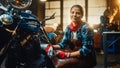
<point>80,8</point>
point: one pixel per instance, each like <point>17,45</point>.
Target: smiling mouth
<point>74,18</point>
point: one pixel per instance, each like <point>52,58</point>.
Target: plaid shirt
<point>83,33</point>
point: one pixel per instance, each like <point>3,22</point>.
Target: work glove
<point>48,48</point>
<point>62,54</point>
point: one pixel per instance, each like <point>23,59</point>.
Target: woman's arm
<point>64,43</point>
<point>56,47</point>
<point>87,41</point>
<point>74,54</point>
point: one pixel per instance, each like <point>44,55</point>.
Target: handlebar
<point>39,22</point>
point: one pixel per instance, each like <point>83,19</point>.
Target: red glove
<point>48,49</point>
<point>63,55</point>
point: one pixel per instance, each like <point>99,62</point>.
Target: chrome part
<point>20,4</point>
<point>6,19</point>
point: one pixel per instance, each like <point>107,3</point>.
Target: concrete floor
<point>100,63</point>
<point>113,61</point>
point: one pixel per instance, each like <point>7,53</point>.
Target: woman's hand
<point>63,55</point>
<point>48,49</point>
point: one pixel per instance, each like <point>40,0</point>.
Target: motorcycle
<point>21,32</point>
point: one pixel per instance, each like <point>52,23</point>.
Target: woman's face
<point>75,14</point>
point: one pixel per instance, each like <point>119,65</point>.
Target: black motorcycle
<point>21,32</point>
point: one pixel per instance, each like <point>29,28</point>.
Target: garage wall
<point>95,10</point>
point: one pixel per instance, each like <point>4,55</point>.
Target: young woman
<point>78,37</point>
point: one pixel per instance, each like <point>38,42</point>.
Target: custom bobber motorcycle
<point>20,33</point>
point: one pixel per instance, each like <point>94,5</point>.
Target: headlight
<point>6,19</point>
